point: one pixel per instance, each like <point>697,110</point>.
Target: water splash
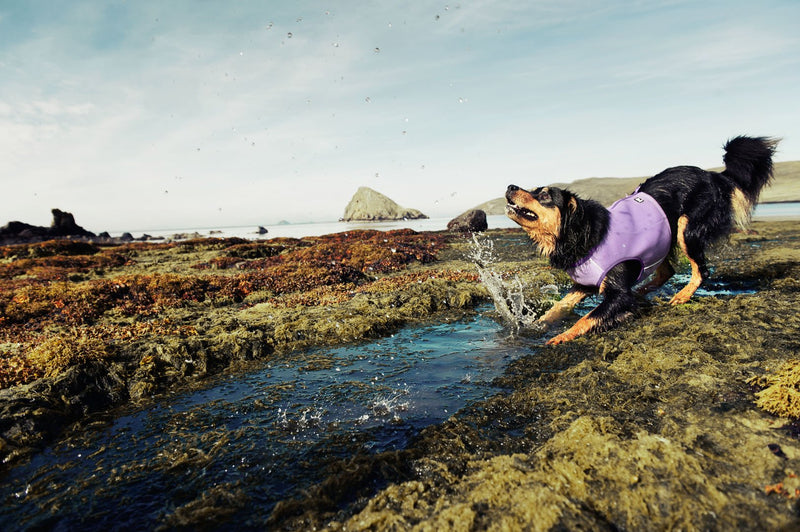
<point>508,295</point>
<point>390,406</point>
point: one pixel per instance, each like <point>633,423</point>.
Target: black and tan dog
<point>611,250</point>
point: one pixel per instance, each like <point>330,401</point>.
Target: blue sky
<point>151,114</point>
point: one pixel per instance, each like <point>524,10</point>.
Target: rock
<point>19,232</point>
<point>472,221</point>
<point>32,414</point>
<point>369,205</point>
<point>262,230</point>
<point>126,237</point>
<point>176,236</point>
<point>63,225</point>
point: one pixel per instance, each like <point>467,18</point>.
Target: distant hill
<point>785,187</point>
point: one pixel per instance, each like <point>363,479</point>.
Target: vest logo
<point>638,199</point>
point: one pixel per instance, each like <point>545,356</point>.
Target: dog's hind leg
<point>693,249</point>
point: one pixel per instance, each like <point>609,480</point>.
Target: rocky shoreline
<point>86,327</point>
<point>653,425</point>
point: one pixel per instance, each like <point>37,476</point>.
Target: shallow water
<point>261,436</point>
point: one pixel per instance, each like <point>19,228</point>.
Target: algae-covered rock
<point>33,413</point>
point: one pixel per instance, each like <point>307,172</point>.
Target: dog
<point>612,251</point>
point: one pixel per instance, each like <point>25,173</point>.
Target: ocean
<point>764,211</point>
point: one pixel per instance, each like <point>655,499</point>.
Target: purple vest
<point>638,230</point>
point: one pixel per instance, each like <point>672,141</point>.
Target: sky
<point>148,114</point>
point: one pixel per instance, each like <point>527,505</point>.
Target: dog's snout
<point>512,188</point>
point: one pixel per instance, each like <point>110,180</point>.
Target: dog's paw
<point>680,298</point>
<point>581,327</point>
<point>564,337</point>
<point>560,339</point>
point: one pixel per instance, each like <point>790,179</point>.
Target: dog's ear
<point>573,204</point>
<point>544,196</point>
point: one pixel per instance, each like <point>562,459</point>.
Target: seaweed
<point>781,390</point>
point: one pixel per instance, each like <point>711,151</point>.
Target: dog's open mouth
<point>521,212</point>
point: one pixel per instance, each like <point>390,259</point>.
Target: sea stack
<point>369,205</point>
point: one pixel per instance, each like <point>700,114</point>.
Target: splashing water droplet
<point>289,35</point>
<point>508,297</point>
<point>368,99</point>
<point>549,289</point>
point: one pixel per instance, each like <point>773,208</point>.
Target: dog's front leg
<point>562,308</point>
<point>617,304</point>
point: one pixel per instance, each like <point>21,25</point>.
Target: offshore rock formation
<point>369,205</point>
<point>63,225</point>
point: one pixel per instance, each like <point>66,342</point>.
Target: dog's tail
<point>748,162</point>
